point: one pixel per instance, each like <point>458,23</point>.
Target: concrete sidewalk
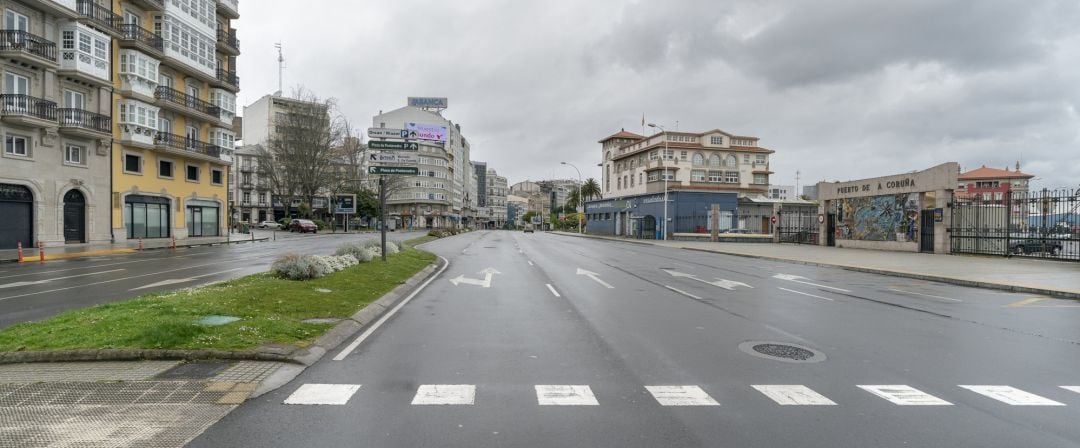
<point>1046,277</point>
<point>32,254</point>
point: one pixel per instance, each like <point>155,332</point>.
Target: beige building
<point>708,161</point>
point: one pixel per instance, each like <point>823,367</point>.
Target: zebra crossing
<point>676,395</point>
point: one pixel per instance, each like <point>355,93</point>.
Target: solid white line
<point>47,280</point>
<point>360,339</point>
<point>552,289</point>
<point>530,262</point>
<point>794,395</point>
<point>806,294</point>
<point>903,395</point>
<point>436,394</point>
<point>681,396</point>
<point>683,292</point>
<point>1012,396</point>
<point>925,295</point>
<point>331,394</point>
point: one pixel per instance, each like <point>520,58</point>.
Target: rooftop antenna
<point>797,173</point>
<point>281,68</point>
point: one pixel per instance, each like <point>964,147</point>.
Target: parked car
<point>529,228</point>
<point>303,226</point>
<point>269,225</point>
<point>1034,246</point>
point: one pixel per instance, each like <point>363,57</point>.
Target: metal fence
<point>1039,224</point>
<point>801,227</point>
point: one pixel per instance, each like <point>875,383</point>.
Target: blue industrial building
<point>641,216</point>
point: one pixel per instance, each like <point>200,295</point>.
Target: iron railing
<point>134,33</point>
<point>182,143</point>
<point>180,98</point>
<point>79,118</point>
<point>100,15</point>
<point>28,43</point>
<point>799,227</point>
<point>26,105</point>
<point>228,77</point>
<point>228,37</point>
<point>1039,224</point>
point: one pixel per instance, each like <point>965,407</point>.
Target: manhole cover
<point>213,321</point>
<point>194,371</point>
<point>782,351</point>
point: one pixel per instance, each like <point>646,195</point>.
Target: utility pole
<point>663,160</point>
<point>382,214</point>
<point>281,68</point>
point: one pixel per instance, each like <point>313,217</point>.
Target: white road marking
<point>1012,396</point>
<point>1072,388</point>
<point>39,282</point>
<point>530,262</point>
<point>925,295</point>
<point>435,394</point>
<point>720,283</point>
<point>681,396</point>
<point>806,294</point>
<point>485,282</point>
<point>565,395</point>
<point>73,269</point>
<point>683,292</point>
<point>800,279</point>
<point>174,281</point>
<point>360,339</point>
<point>793,395</point>
<point>552,289</point>
<point>904,395</point>
<point>595,277</point>
<point>331,394</point>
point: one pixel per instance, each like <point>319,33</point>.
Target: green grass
<point>271,311</point>
<point>419,240</point>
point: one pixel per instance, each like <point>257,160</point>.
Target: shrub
<point>392,248</point>
<point>357,250</point>
<point>306,267</point>
<point>319,223</point>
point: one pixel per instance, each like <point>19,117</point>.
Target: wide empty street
<point>553,340</point>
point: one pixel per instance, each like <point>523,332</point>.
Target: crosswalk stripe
<point>681,396</point>
<point>449,394</point>
<point>793,395</point>
<point>329,394</point>
<point>903,395</point>
<point>1072,388</point>
<point>565,395</point>
<point>1012,396</point>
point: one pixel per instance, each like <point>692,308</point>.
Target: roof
<point>622,134</point>
<point>685,145</point>
<point>993,173</point>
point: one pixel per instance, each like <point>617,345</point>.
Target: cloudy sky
<point>841,89</point>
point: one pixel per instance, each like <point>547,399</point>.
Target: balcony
<point>27,110</point>
<point>187,146</point>
<point>100,17</point>
<point>228,79</point>
<point>247,169</point>
<point>84,123</point>
<point>132,35</point>
<point>150,5</point>
<point>181,102</point>
<point>229,8</point>
<point>27,47</point>
<point>227,42</point>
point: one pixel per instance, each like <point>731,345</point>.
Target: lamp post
<point>663,227</point>
<point>581,200</point>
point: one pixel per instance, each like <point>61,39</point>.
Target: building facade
<point>176,84</point>
<point>641,216</point>
<point>495,200</point>
<point>992,184</point>
<point>782,192</point>
<point>56,118</point>
<point>251,194</point>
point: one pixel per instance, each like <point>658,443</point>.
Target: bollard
<point>252,237</point>
<point>20,252</point>
<point>41,251</point>
<point>275,234</point>
<point>140,245</point>
<point>174,243</point>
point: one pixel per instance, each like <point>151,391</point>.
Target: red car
<point>303,226</point>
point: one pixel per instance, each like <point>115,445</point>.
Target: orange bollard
<point>174,243</point>
<point>20,252</point>
<point>140,245</point>
<point>41,251</point>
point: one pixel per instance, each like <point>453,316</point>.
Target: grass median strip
<point>271,311</point>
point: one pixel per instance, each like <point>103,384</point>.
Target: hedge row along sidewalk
<point>271,312</point>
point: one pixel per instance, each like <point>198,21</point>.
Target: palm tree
<point>573,198</point>
<point>590,190</point>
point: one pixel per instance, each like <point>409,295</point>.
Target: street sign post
<point>406,170</point>
<point>393,146</point>
<point>390,157</point>
<point>387,133</point>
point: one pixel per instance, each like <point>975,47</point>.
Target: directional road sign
<point>408,170</point>
<point>387,133</point>
<point>397,146</point>
<point>393,157</point>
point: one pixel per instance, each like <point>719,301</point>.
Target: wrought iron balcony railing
<point>228,37</point>
<point>100,15</point>
<point>182,143</point>
<point>180,98</point>
<point>228,77</point>
<point>79,118</point>
<point>135,33</point>
<point>28,43</point>
<point>28,106</point>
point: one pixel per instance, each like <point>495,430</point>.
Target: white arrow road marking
<point>807,294</point>
<point>488,274</point>
<point>40,282</point>
<point>173,281</point>
<point>720,283</point>
<point>595,277</point>
<point>799,279</point>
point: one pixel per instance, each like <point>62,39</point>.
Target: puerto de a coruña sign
<point>427,102</point>
<point>426,131</point>
<point>345,204</point>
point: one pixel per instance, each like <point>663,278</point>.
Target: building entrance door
<point>74,217</point>
<point>831,230</point>
<point>926,231</point>
<point>17,208</point>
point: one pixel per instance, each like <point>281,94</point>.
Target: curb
<point>1074,295</point>
<point>304,356</point>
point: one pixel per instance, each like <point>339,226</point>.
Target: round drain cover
<point>781,351</point>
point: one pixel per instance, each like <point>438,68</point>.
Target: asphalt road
<point>33,291</point>
<point>577,342</point>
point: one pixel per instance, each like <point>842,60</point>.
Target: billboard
<point>345,204</point>
<point>427,102</point>
<point>426,131</point>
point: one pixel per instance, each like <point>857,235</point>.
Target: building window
<point>146,217</point>
<point>761,179</point>
<point>746,158</point>
<point>986,196</point>
<point>17,145</point>
<point>716,140</point>
<point>202,221</point>
<point>75,155</point>
<point>734,161</point>
<point>618,183</point>
<point>682,155</point>
<point>165,168</point>
<point>132,164</point>
<point>998,196</point>
<point>760,158</point>
<point>654,176</point>
<point>138,113</point>
<point>714,176</point>
<point>192,173</point>
<point>631,181</point>
<point>654,155</point>
<point>134,63</point>
<point>714,160</point>
<point>731,177</point>
<point>669,154</point>
<point>698,159</point>
<point>669,175</point>
<point>697,176</point>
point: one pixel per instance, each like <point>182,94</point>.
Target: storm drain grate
<point>782,351</point>
<point>194,371</point>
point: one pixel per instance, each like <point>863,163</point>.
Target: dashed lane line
<point>552,289</point>
<point>806,294</point>
<point>682,292</point>
<point>793,395</point>
<point>681,396</point>
<point>326,394</point>
<point>565,395</point>
<point>445,394</point>
<point>925,295</point>
<point>903,395</point>
<point>530,262</point>
<point>1012,396</point>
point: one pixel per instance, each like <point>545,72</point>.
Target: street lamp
<point>663,227</point>
<point>581,200</point>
